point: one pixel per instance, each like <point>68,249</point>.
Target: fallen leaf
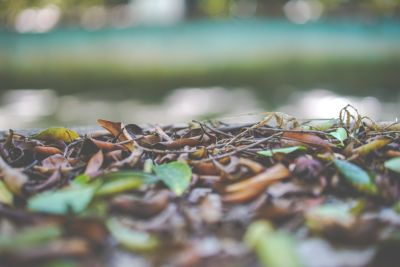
<point>308,139</point>
<point>283,150</point>
<point>356,176</point>
<point>329,215</point>
<point>74,199</point>
<point>340,134</point>
<point>55,162</point>
<point>151,204</point>
<point>393,164</point>
<point>57,133</point>
<point>372,146</point>
<point>118,130</point>
<point>261,180</point>
<point>94,164</point>
<point>273,248</point>
<point>6,196</point>
<point>13,178</point>
<point>33,236</point>
<point>119,182</point>
<point>176,175</point>
<point>138,241</point>
<point>47,150</point>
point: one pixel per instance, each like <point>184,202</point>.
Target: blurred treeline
<point>72,11</point>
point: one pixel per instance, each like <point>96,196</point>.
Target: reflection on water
<point>40,108</point>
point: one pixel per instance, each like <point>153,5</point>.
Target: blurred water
<point>41,108</point>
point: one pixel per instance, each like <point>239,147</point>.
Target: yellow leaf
<point>57,133</point>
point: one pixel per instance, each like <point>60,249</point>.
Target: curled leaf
<point>57,133</point>
<point>13,178</point>
<point>117,129</point>
<point>340,134</point>
<point>94,164</point>
<point>311,140</point>
<point>372,146</point>
<point>273,174</point>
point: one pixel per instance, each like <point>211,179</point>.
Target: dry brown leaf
<point>269,176</point>
<point>117,130</point>
<point>47,150</point>
<point>308,139</point>
<point>94,164</point>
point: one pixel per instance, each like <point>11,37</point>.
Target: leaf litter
<point>279,192</point>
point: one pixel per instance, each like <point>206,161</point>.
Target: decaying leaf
<point>57,133</point>
<point>13,178</point>
<point>135,186</point>
<point>6,196</point>
<point>117,129</point>
<point>269,176</point>
<point>311,140</point>
<point>94,164</point>
<point>372,146</point>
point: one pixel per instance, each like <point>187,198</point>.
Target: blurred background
<point>69,62</point>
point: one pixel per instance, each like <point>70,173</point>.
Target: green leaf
<point>57,133</point>
<point>283,150</point>
<point>176,175</point>
<point>132,239</point>
<point>119,186</point>
<point>81,180</point>
<point>356,176</point>
<point>340,134</point>
<point>29,238</point>
<point>121,181</point>
<point>393,164</point>
<point>321,125</point>
<point>5,195</point>
<point>273,248</point>
<point>74,199</point>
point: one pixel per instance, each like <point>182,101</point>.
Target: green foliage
<point>340,134</point>
<point>283,150</point>
<point>393,164</point>
<point>176,175</point>
<point>28,238</point>
<point>62,201</point>
<point>273,248</point>
<point>356,176</point>
<point>132,239</point>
